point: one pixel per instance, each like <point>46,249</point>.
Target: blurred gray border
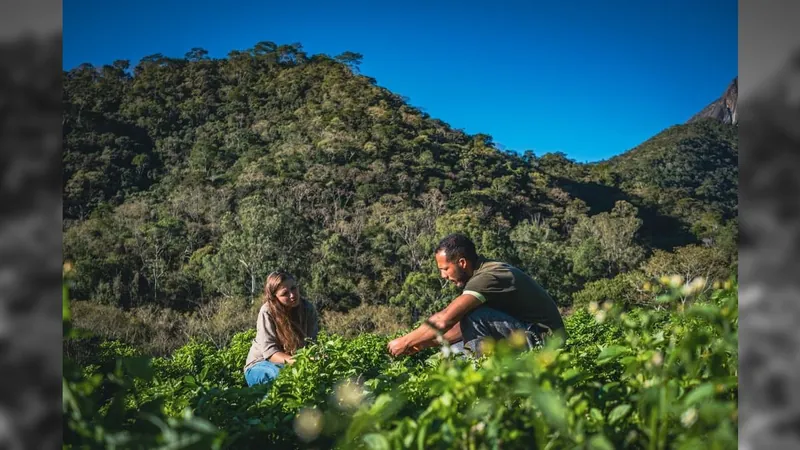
<point>30,224</point>
<point>767,36</point>
<point>769,211</point>
<point>37,17</point>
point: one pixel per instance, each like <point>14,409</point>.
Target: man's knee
<point>488,322</point>
<point>481,314</point>
<point>473,322</point>
<point>484,317</point>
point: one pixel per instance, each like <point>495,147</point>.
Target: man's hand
<point>398,346</point>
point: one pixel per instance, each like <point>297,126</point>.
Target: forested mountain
<point>189,179</point>
<point>687,172</point>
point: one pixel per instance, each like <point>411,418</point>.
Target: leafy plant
<point>627,377</point>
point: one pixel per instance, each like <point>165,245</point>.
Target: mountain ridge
<point>724,108</point>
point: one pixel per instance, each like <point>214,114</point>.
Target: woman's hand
<point>289,360</point>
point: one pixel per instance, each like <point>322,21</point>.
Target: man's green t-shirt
<point>508,289</point>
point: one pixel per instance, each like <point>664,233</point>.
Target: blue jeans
<point>484,321</point>
<point>262,372</point>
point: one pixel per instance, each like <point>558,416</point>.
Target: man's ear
<point>462,263</point>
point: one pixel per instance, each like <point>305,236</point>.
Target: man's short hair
<point>457,246</point>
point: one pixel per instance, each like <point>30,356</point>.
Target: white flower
<point>308,424</point>
<point>698,284</point>
<point>657,359</point>
<point>446,351</point>
<point>689,417</point>
<point>349,394</point>
<point>600,316</point>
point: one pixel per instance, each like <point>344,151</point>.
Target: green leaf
<point>189,381</point>
<point>138,367</point>
<point>698,394</point>
<point>611,353</point>
<point>204,373</point>
<point>552,407</point>
<point>596,415</point>
<point>421,437</point>
<point>66,311</point>
<point>618,413</point>
<point>376,441</point>
<point>665,298</point>
<point>600,442</point>
<point>705,311</point>
<point>570,374</point>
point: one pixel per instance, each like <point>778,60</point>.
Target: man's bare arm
<point>452,336</point>
<point>425,335</point>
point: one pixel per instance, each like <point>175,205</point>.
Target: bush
<point>626,288</point>
<point>628,378</point>
<point>378,319</point>
<point>165,329</point>
<point>158,331</point>
<point>217,321</point>
<point>109,322</point>
<point>100,407</point>
<point>690,262</point>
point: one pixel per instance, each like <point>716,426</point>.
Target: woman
<point>285,322</point>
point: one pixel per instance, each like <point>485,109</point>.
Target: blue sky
<point>591,79</point>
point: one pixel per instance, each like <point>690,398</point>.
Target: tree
<point>122,64</point>
<point>196,54</point>
<point>264,47</point>
<point>350,59</point>
<point>543,255</point>
<point>615,233</point>
<point>424,292</point>
<point>690,262</point>
<point>257,239</point>
<point>340,180</point>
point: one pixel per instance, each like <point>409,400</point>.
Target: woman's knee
<point>263,372</point>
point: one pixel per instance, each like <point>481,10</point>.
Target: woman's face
<point>288,293</point>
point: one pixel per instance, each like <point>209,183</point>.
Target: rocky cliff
<point>723,108</point>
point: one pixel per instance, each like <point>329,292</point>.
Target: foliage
<point>188,179</point>
<point>689,172</point>
<point>96,409</point>
<point>157,331</point>
<point>628,377</point>
<point>626,288</point>
<point>377,319</point>
<point>690,262</point>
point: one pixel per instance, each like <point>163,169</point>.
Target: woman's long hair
<point>291,333</point>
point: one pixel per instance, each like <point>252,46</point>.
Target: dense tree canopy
<point>189,179</point>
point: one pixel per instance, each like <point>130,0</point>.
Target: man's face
<point>457,272</point>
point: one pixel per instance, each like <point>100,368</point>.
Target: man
<point>497,299</point>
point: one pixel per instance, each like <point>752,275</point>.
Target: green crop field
<point>663,377</point>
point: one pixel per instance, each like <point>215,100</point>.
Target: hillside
<point>687,173</point>
<point>189,179</point>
